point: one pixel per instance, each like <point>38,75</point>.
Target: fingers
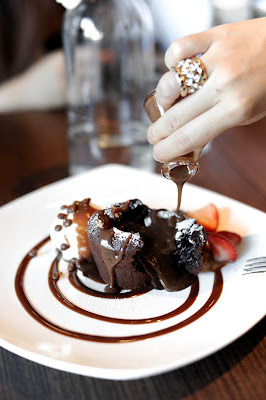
<point>198,118</point>
<point>187,47</point>
<point>182,113</point>
<point>191,136</point>
<point>167,90</point>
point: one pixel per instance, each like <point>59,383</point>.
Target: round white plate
<point>26,221</point>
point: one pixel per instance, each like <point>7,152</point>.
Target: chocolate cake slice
<point>115,251</point>
<point>135,246</point>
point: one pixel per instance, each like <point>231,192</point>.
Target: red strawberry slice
<point>234,238</point>
<point>221,247</point>
<point>206,216</point>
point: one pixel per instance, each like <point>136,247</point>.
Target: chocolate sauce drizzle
<point>79,285</point>
<point>74,280</point>
<point>54,276</point>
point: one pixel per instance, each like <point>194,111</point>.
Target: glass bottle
<point>109,60</point>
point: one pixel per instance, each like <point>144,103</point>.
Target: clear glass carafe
<point>109,59</point>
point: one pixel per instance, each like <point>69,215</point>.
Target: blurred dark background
<point>31,28</point>
<point>28,29</point>
<point>33,140</point>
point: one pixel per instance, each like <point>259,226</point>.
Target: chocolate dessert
<point>135,246</point>
<point>69,230</point>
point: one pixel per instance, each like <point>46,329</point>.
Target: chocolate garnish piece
<point>67,222</point>
<point>64,246</point>
<point>72,208</point>
<point>61,216</point>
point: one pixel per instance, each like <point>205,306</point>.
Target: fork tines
<point>255,266</point>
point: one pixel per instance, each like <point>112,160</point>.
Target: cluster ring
<point>190,75</point>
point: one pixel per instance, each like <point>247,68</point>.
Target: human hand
<point>40,87</point>
<point>234,56</point>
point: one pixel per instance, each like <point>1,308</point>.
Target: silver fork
<point>255,266</point>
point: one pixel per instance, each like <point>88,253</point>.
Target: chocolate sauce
<point>64,246</point>
<point>33,253</point>
<point>54,276</point>
<point>179,175</point>
<point>115,294</point>
<point>145,239</point>
<point>109,255</point>
<point>209,264</point>
<point>159,247</point>
<point>88,269</point>
<point>67,222</point>
<point>180,172</point>
<point>82,212</point>
<point>185,166</point>
<point>62,216</point>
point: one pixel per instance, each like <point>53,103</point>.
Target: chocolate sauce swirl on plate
<point>54,276</point>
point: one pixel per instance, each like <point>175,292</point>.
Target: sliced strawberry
<point>221,247</point>
<point>234,238</point>
<point>206,216</point>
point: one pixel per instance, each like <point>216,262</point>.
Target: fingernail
<point>155,158</point>
<point>149,133</point>
<point>167,90</point>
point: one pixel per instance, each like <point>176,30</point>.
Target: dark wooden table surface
<point>33,153</point>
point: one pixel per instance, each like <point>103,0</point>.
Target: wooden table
<point>33,153</point>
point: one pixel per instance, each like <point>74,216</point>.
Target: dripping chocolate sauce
<point>79,286</point>
<point>182,171</point>
<point>74,280</point>
<point>54,277</point>
<point>180,175</point>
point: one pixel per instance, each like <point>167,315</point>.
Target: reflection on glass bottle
<point>109,58</point>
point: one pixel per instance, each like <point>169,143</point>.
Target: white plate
<point>24,222</point>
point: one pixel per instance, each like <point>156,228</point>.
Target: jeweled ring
<point>190,75</point>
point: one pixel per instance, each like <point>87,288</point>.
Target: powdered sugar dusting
<point>188,227</point>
